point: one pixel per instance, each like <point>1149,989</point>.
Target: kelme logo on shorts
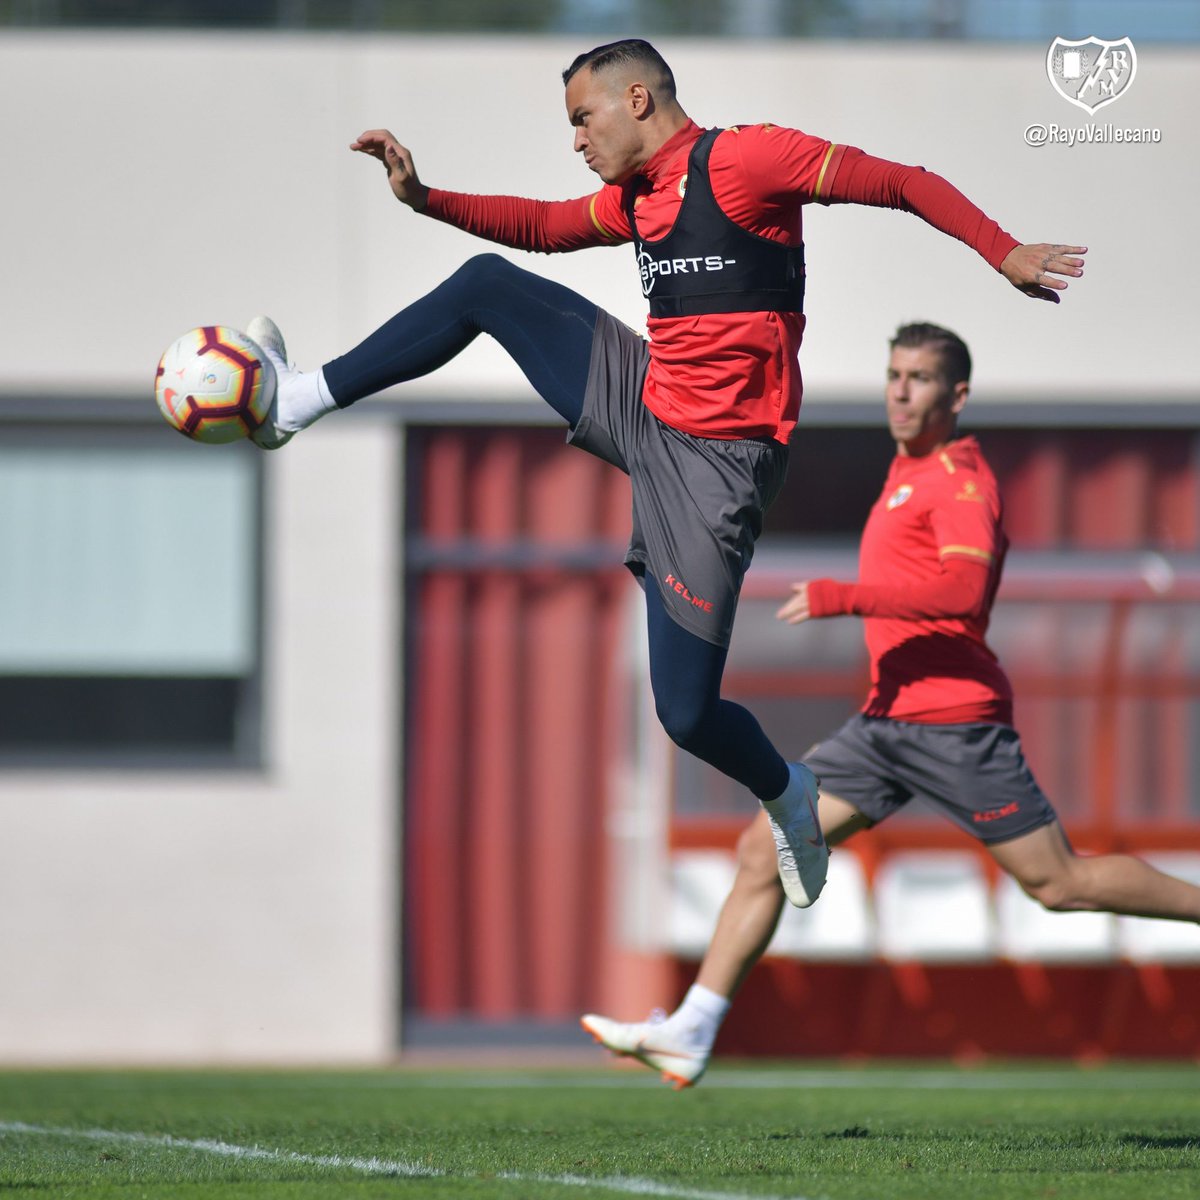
<point>681,589</point>
<point>996,814</point>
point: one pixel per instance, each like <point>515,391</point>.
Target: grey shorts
<point>698,503</point>
<point>974,774</point>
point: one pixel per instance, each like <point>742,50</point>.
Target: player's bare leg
<point>1046,867</point>
<point>680,1045</point>
<point>751,911</point>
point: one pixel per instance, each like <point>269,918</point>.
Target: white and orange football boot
<point>654,1042</point>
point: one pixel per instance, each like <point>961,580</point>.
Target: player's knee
<point>685,724</point>
<point>685,733</point>
<point>756,860</point>
<point>1053,893</point>
<point>485,271</point>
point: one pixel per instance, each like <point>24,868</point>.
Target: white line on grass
<point>367,1166</point>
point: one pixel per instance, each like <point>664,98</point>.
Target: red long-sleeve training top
<point>728,375</point>
<point>929,564</point>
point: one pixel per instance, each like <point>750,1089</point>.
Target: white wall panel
<point>233,915</point>
<point>157,181</point>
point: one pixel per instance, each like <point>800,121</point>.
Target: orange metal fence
<point>518,715</point>
<point>1106,669</point>
<point>514,604</point>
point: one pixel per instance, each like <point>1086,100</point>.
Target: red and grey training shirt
<point>930,560</point>
<point>728,375</point>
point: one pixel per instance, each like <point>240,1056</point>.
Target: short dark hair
<point>956,358</point>
<point>618,54</point>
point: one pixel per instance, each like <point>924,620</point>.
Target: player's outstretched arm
<point>397,160</point>
<point>1033,269</point>
<point>796,608</point>
<point>960,590</point>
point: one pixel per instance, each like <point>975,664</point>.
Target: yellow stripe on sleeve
<point>596,220</point>
<point>824,168</point>
<point>970,551</point>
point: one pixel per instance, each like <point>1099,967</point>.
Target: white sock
<point>700,1015</point>
<point>303,397</point>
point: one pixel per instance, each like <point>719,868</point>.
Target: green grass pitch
<point>812,1132</point>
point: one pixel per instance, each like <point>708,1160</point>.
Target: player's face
<point>922,403</point>
<point>607,133</point>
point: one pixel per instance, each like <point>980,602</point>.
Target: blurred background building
<point>960,20</point>
<point>343,751</point>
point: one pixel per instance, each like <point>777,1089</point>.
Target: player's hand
<point>402,175</point>
<point>796,608</point>
<point>1033,269</point>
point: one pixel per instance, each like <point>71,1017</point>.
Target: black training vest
<point>708,263</point>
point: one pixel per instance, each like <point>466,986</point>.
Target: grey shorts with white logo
<point>974,774</point>
<point>698,503</point>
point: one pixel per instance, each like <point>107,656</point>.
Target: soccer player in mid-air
<point>700,414</point>
<point>937,722</point>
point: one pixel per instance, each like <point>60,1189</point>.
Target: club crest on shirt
<point>899,496</point>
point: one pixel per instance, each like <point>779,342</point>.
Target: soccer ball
<point>214,384</point>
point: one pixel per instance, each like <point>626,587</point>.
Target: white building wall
<point>208,915</point>
<point>155,182</point>
<point>158,181</point>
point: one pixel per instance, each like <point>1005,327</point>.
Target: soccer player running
<point>700,415</point>
<point>937,722</point>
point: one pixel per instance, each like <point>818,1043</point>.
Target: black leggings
<point>545,327</point>
<point>547,330</point>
